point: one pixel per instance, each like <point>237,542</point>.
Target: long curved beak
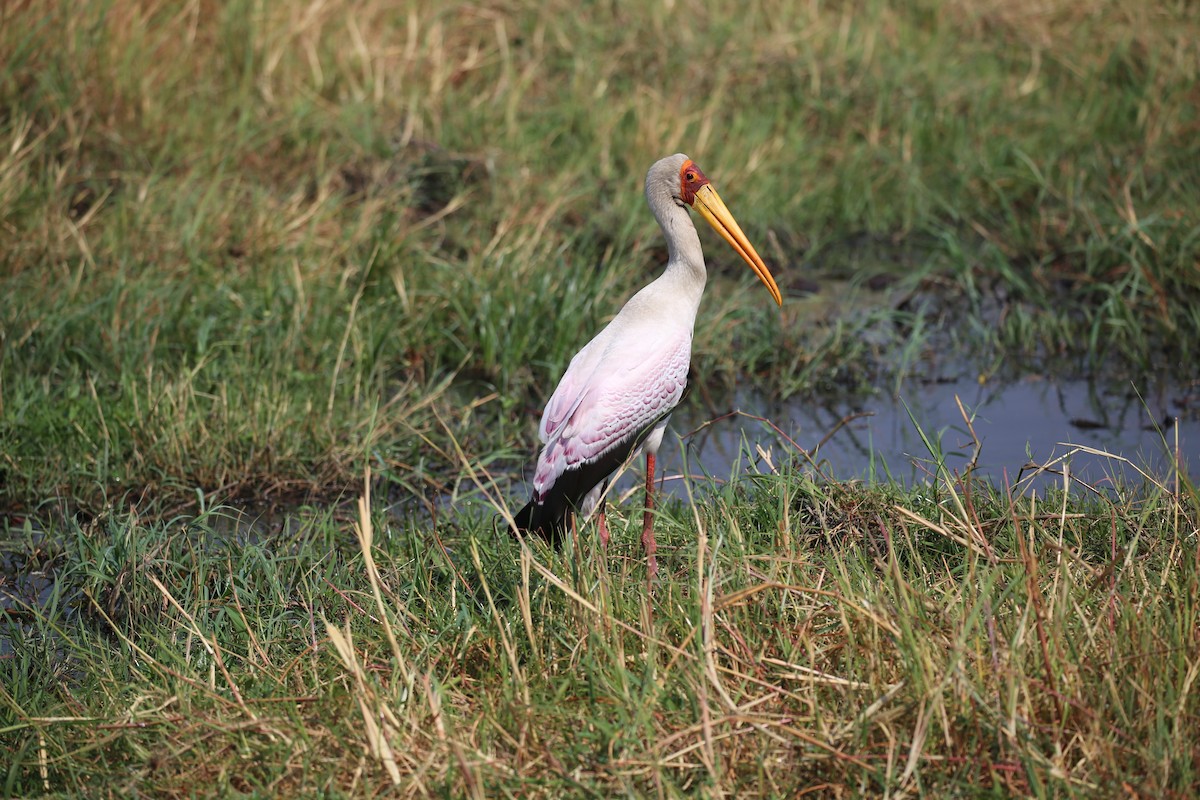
<point>712,208</point>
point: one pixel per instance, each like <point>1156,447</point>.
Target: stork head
<point>677,180</point>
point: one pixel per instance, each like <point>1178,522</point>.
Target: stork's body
<point>619,390</point>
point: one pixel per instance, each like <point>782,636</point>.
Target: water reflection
<point>1036,420</point>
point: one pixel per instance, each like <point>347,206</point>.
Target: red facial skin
<point>691,179</point>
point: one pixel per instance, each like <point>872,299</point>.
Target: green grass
<point>258,247</point>
<point>949,640</point>
<point>251,251</point>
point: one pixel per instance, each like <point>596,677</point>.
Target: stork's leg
<point>602,526</point>
<point>648,520</point>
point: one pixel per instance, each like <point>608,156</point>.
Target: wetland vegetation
<point>284,256</point>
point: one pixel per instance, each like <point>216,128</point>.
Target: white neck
<point>685,270</point>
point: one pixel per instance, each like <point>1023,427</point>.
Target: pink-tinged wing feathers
<point>601,403</point>
<point>573,386</point>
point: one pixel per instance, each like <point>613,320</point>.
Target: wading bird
<point>620,389</point>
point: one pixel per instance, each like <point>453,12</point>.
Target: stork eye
<point>690,176</point>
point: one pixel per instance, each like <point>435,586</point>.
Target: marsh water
<point>1104,435</point>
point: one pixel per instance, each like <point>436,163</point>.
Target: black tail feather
<point>543,520</point>
<point>524,518</point>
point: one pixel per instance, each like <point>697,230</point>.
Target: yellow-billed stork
<point>620,389</point>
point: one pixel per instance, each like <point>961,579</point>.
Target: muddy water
<point>1033,421</point>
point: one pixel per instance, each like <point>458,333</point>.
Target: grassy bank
<point>252,247</point>
<point>949,641</point>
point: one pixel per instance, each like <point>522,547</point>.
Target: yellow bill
<point>713,209</point>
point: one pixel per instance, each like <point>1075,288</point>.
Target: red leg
<point>648,520</point>
<point>602,524</point>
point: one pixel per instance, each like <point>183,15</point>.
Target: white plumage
<point>619,390</point>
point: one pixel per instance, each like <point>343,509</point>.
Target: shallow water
<point>1033,421</point>
<point>24,586</point>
